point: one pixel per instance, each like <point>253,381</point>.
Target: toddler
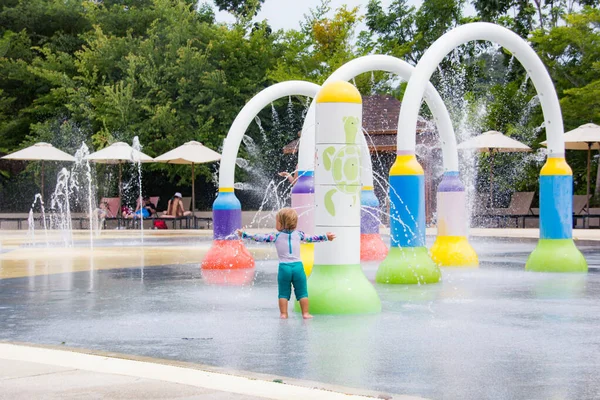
<point>291,271</point>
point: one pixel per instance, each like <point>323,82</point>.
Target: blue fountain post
<point>452,247</point>
<point>408,261</point>
<point>556,251</point>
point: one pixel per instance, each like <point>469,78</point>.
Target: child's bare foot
<point>306,316</point>
<point>283,316</point>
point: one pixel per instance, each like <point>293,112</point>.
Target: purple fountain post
<point>303,201</point>
<point>227,251</point>
<point>452,247</point>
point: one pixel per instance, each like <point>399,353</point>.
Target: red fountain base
<point>227,254</point>
<point>229,277</point>
<point>372,247</point>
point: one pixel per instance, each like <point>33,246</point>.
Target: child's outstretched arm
<point>266,238</point>
<point>316,238</point>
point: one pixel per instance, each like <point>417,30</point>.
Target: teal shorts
<point>292,274</point>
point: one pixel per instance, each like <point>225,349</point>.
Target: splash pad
<point>408,260</point>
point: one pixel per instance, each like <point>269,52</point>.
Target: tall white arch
<point>407,121</point>
<point>231,144</point>
<point>405,71</point>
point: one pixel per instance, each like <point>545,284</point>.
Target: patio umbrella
<point>190,153</point>
<point>586,137</point>
<point>493,142</point>
<point>40,152</point>
<point>119,153</point>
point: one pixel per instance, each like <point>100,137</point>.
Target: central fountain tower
<point>337,284</point>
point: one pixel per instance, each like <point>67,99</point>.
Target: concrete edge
<point>186,373</point>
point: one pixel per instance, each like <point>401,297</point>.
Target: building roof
<point>380,122</point>
<point>380,114</point>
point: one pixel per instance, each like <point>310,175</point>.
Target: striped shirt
<point>287,243</point>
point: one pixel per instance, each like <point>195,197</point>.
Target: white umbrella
<point>119,153</point>
<point>493,142</point>
<point>40,152</point>
<point>586,137</point>
<point>190,153</point>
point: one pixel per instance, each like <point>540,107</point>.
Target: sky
<point>287,14</point>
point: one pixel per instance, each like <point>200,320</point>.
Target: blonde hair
<point>288,218</point>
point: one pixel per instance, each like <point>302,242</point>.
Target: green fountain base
<point>341,289</point>
<point>408,265</point>
<point>556,255</point>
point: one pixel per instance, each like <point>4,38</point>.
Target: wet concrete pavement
<point>495,332</point>
<point>28,372</point>
<point>27,380</point>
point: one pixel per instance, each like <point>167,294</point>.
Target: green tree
<point>30,30</point>
<point>524,16</point>
<point>321,46</point>
<point>158,69</point>
<point>242,10</point>
<point>405,31</point>
<point>572,53</point>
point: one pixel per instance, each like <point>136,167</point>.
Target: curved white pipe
<point>407,121</point>
<point>405,71</point>
<point>366,165</point>
<point>231,144</point>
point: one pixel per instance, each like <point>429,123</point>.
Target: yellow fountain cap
<point>556,166</point>
<point>339,92</point>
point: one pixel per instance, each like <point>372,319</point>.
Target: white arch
<point>366,163</point>
<point>407,121</point>
<point>405,71</point>
<point>231,144</point>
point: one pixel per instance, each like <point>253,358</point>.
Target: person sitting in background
<point>102,211</point>
<point>291,178</point>
<point>175,208</point>
<point>147,209</point>
<point>100,214</point>
<point>126,211</point>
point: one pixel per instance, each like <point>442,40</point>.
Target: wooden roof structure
<point>380,123</point>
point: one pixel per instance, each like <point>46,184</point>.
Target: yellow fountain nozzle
<point>406,165</point>
<point>339,92</point>
<point>556,166</point>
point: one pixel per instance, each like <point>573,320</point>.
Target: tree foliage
<point>242,10</point>
<point>405,31</point>
<point>168,72</point>
<point>322,45</point>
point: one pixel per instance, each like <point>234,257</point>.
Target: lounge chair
<point>154,200</point>
<point>580,202</point>
<point>580,211</point>
<point>520,204</point>
<point>113,209</point>
<point>519,208</point>
<point>186,202</point>
<point>112,206</point>
<point>480,204</point>
<point>135,222</point>
<point>593,219</point>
